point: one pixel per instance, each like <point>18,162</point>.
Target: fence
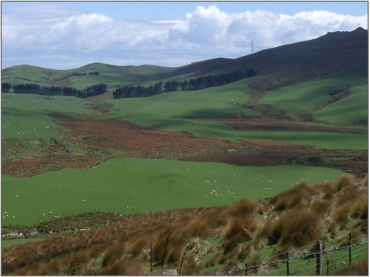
<point>313,259</point>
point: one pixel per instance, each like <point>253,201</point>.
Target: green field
<point>146,184</point>
<point>353,108</point>
<point>27,117</point>
<point>307,95</point>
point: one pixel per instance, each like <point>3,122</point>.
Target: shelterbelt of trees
<point>192,84</point>
<point>53,90</point>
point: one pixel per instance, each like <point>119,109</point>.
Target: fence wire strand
<point>310,266</point>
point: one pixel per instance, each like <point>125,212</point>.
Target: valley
<point>218,167</point>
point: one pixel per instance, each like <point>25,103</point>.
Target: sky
<point>66,35</point>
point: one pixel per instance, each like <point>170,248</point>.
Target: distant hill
<point>336,53</point>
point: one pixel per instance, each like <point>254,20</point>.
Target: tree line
<point>54,90</point>
<point>192,84</point>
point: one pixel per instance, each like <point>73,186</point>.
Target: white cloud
<point>207,32</point>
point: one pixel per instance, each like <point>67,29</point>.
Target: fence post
<point>350,248</point>
<point>151,257</point>
<point>246,268</point>
<point>287,263</point>
<point>327,267</point>
<point>319,257</point>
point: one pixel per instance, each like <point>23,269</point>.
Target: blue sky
<point>64,35</point>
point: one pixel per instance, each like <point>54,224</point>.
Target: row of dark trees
<point>55,91</point>
<point>96,73</point>
<point>192,84</point>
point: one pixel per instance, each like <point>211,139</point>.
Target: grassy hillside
<point>213,239</point>
<point>227,170</point>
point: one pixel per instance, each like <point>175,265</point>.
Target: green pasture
<point>211,102</point>
<point>307,95</point>
<point>26,116</point>
<point>349,110</point>
<point>147,185</point>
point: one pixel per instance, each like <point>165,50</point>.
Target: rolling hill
<point>334,54</point>
<point>90,185</point>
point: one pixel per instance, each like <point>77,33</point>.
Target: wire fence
<point>319,258</point>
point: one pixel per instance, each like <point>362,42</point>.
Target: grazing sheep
<point>205,196</point>
<point>50,212</point>
<point>83,200</point>
<point>16,196</point>
<point>127,207</point>
<point>43,214</point>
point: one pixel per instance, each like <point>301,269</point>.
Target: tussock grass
<point>112,254</point>
<point>219,237</point>
<point>356,269</point>
<point>293,197</point>
<point>125,266</point>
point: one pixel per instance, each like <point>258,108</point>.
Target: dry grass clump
<point>298,195</point>
<point>359,268</point>
<point>192,266</point>
<point>125,266</point>
<point>244,207</point>
<point>112,254</point>
<point>293,228</point>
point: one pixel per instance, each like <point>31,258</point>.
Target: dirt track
<point>102,140</point>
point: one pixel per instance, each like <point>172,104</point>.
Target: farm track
<point>102,140</point>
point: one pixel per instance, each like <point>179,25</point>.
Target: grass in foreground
<point>215,238</point>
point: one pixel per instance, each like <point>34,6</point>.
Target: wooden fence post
<point>246,268</point>
<point>165,249</point>
<point>151,257</point>
<point>350,248</point>
<point>287,263</point>
<point>319,257</point>
<point>327,268</point>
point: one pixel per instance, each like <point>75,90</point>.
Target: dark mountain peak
<point>359,29</point>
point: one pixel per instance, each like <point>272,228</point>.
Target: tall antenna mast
<point>252,46</point>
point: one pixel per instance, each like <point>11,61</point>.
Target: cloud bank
<point>54,37</point>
